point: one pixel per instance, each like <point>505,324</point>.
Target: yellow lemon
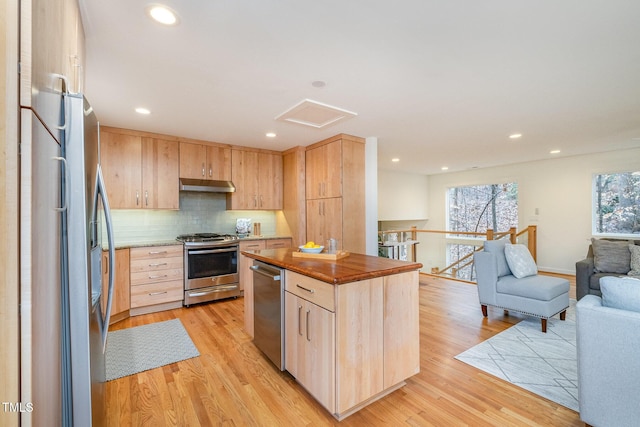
<point>309,244</point>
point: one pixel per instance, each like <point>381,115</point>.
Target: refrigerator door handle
<point>101,192</point>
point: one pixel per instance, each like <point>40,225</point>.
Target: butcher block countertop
<point>349,269</point>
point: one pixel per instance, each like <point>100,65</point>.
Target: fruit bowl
<point>311,250</point>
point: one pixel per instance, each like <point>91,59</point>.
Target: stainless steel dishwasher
<point>268,315</point>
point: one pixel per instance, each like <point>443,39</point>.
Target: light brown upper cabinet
<point>335,200</point>
<point>198,161</point>
<point>140,172</point>
<point>258,180</point>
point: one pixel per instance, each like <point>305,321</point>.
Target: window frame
<point>594,208</point>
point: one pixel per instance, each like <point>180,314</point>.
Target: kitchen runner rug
<point>141,348</point>
<point>545,364</point>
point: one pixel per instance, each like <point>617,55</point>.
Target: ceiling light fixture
<point>515,136</point>
<point>141,110</point>
<point>554,151</point>
<point>162,14</point>
<point>270,135</point>
<point>318,83</point>
<point>395,160</point>
<point>445,168</point>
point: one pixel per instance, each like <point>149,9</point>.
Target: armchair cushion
<point>635,260</point>
<point>520,261</point>
<point>621,292</point>
<point>611,256</point>
<point>496,247</point>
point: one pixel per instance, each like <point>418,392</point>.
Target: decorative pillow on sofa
<point>635,261</point>
<point>611,256</point>
<point>620,292</point>
<point>520,260</point>
<point>496,247</point>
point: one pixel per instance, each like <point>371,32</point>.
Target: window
<point>482,207</point>
<point>478,209</point>
<point>616,204</point>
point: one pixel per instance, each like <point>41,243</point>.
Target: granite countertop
<point>349,269</point>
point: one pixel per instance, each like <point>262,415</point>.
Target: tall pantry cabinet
<point>335,196</point>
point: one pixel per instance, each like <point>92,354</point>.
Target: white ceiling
<point>438,82</point>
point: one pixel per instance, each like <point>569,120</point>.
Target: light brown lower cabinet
<point>121,302</point>
<point>157,278</point>
<point>349,345</point>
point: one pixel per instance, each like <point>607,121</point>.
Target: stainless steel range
<point>210,267</point>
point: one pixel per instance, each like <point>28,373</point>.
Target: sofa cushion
<point>520,261</point>
<point>611,256</point>
<point>635,261</point>
<point>621,292</point>
<point>496,247</point>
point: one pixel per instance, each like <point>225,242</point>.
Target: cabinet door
<point>121,157</point>
<point>324,171</point>
<point>310,348</point>
<point>324,220</point>
<point>160,170</point>
<point>121,302</point>
<point>193,160</point>
<point>218,163</point>
<point>270,181</point>
<point>246,280</point>
<point>244,172</point>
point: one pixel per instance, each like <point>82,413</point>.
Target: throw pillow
<point>520,261</point>
<point>496,247</point>
<point>611,256</point>
<point>635,260</point>
<point>620,292</point>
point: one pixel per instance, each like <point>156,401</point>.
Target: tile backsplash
<point>199,212</point>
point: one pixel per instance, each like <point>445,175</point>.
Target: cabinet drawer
<point>254,245</point>
<point>151,252</point>
<point>156,276</point>
<point>278,243</point>
<point>154,264</point>
<point>319,293</point>
<point>156,293</point>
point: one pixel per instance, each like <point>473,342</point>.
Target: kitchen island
<point>351,326</point>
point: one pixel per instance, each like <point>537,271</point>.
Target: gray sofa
<point>588,274</point>
<point>607,341</point>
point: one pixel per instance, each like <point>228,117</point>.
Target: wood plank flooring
<point>233,384</point>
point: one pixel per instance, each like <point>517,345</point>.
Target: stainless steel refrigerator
<point>84,214</point>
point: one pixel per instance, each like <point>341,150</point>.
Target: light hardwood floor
<point>233,384</point>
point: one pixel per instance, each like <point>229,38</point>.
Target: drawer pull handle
<point>157,264</point>
<point>158,277</point>
<point>157,293</point>
<point>157,252</point>
<point>305,289</point>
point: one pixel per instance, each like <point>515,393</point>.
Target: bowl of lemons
<point>311,248</point>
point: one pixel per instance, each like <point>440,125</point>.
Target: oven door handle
<point>219,288</point>
<point>211,251</point>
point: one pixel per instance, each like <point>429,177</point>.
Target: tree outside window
<point>478,209</point>
<point>617,204</point>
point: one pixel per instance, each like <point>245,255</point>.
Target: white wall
<point>559,188</point>
<point>402,196</point>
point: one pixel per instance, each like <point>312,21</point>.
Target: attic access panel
<point>314,114</point>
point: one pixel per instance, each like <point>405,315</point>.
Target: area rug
<point>545,364</point>
<point>141,348</point>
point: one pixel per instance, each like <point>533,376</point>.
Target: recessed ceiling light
<point>554,151</point>
<point>270,135</point>
<point>395,160</point>
<point>318,83</point>
<point>515,136</point>
<point>162,14</point>
<point>445,168</point>
<point>141,110</point>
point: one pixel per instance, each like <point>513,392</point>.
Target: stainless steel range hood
<point>206,186</point>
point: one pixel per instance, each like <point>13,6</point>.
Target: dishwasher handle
<point>256,269</point>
